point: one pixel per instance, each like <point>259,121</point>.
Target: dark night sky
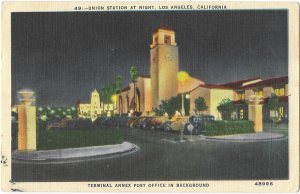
<point>64,56</point>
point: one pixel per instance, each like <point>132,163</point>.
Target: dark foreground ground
<point>162,158</point>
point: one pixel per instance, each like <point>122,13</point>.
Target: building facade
<point>162,84</point>
<point>92,110</point>
<point>164,65</point>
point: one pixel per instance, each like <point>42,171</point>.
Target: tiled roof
<point>163,27</point>
<point>235,85</point>
<point>213,86</point>
<point>144,76</point>
<point>124,89</point>
<point>268,82</point>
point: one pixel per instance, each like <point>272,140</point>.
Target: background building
<point>92,110</point>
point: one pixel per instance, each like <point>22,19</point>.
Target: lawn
<point>228,127</point>
<point>60,139</point>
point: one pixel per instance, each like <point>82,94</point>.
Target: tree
<point>273,104</point>
<point>200,105</point>
<point>119,83</point>
<point>172,105</point>
<point>226,108</point>
<point>133,76</point>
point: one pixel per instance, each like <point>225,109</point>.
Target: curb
<point>133,148</point>
<point>247,140</point>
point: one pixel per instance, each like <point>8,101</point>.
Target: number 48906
<point>263,183</point>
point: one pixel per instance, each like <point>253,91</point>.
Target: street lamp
<point>114,100</point>
<point>182,76</point>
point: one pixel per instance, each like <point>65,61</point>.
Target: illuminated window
<point>241,96</point>
<point>242,114</point>
<point>279,91</point>
<point>281,111</point>
<point>167,39</point>
<point>259,93</point>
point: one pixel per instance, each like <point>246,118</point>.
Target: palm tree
<point>105,95</point>
<point>133,76</point>
<point>119,83</point>
<point>113,91</point>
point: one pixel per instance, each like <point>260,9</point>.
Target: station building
<point>162,84</point>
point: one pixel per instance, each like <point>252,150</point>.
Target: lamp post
<point>114,100</point>
<point>182,76</point>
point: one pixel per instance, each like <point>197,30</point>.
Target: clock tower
<point>163,65</point>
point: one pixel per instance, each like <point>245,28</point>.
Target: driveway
<point>163,157</point>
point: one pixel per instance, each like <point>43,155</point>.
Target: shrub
<point>226,108</point>
<point>172,105</point>
<point>228,127</point>
<point>61,139</point>
<point>200,105</point>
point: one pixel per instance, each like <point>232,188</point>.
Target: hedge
<point>78,136</point>
<point>215,128</point>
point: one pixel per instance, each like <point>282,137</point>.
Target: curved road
<point>162,157</point>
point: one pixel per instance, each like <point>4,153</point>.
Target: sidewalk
<point>249,137</point>
<point>73,153</point>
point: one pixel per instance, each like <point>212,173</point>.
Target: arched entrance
<point>137,100</point>
<point>127,103</point>
<point>120,104</point>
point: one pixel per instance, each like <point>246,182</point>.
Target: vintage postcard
<point>150,96</point>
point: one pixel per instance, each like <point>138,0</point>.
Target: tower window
<point>167,39</point>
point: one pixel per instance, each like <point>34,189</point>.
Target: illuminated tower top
<point>95,99</point>
<point>163,36</point>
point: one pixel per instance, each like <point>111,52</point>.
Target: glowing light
<point>114,98</point>
<point>44,118</point>
<point>187,96</point>
<point>182,76</point>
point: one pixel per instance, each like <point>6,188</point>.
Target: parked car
<point>144,123</point>
<point>197,122</point>
<point>176,123</point>
<point>131,121</point>
<point>155,122</point>
<point>123,121</point>
<point>140,121</point>
<point>136,122</point>
<point>166,125</point>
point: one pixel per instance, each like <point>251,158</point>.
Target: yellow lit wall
<point>255,115</point>
<point>199,92</point>
<point>267,91</point>
<point>159,35</point>
<point>248,93</point>
<point>235,96</point>
<point>163,67</point>
<point>286,90</point>
<point>216,96</point>
<point>22,128</point>
<point>93,109</point>
<point>167,73</point>
<point>148,100</point>
<point>143,84</point>
<point>31,127</point>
